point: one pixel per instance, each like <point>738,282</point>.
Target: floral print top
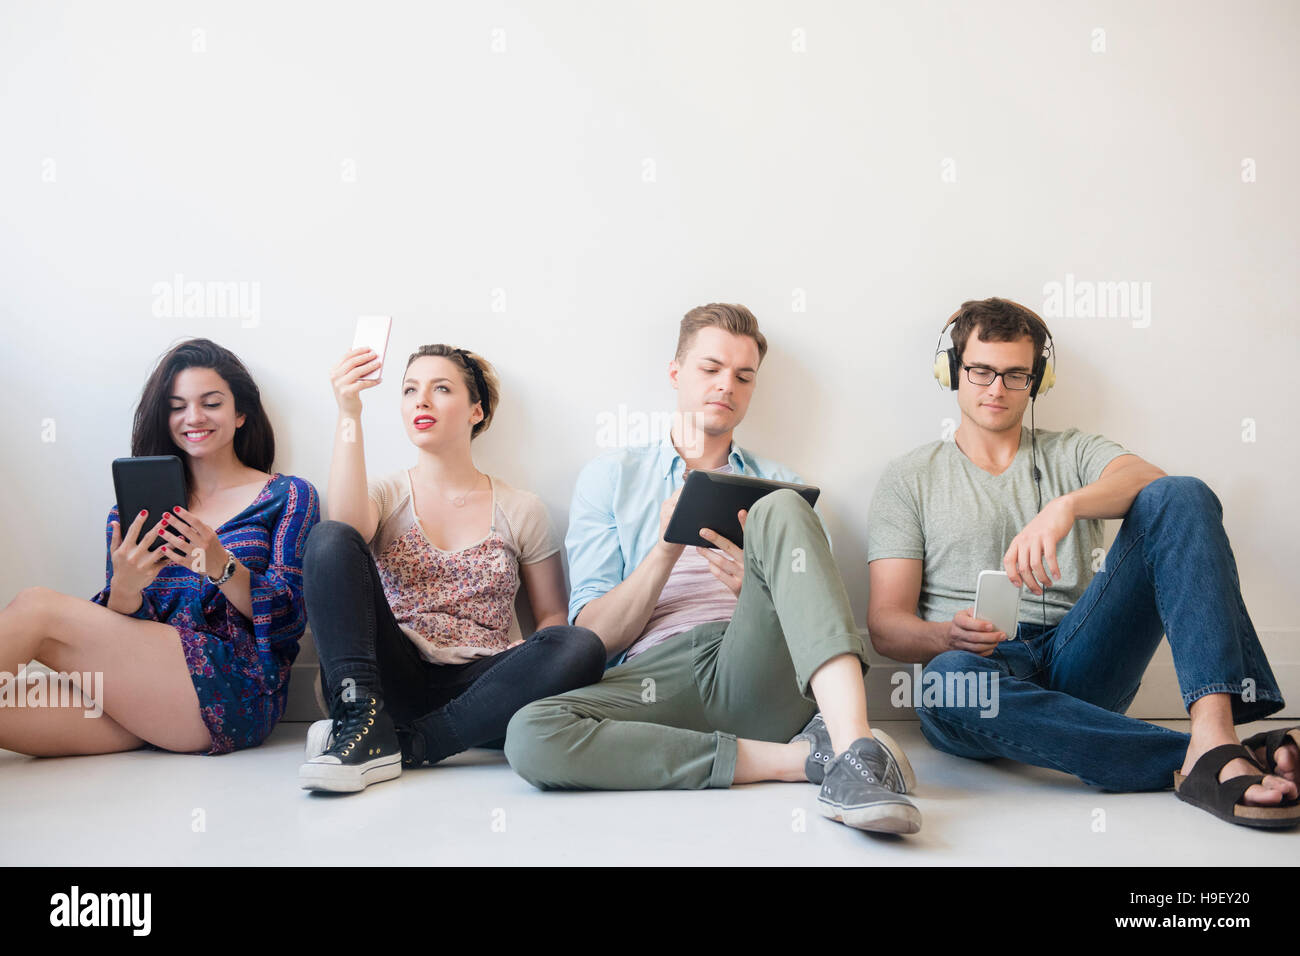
<point>457,598</point>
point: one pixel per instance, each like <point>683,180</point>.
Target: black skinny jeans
<point>455,706</point>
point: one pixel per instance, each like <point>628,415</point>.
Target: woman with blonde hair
<point>410,587</point>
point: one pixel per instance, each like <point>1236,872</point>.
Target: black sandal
<point>1202,788</point>
<point>1270,741</point>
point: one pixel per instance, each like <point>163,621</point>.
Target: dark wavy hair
<point>150,433</point>
<point>997,320</point>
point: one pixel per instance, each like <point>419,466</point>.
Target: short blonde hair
<point>735,319</point>
<point>489,395</point>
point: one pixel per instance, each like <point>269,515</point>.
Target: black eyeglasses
<point>979,375</point>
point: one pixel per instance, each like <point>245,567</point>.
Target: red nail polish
<point>143,513</point>
<point>164,519</point>
<point>177,509</point>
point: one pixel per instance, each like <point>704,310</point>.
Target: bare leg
<point>1212,726</point>
<point>146,690</point>
<point>61,732</point>
<point>837,688</point>
<point>758,760</point>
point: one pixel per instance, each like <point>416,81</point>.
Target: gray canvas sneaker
<point>857,791</point>
<point>898,776</point>
<point>820,751</point>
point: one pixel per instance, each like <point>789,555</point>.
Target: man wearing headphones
<point>1000,496</point>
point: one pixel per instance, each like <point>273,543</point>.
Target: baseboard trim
<point>1158,698</point>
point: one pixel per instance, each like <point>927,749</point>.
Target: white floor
<point>246,808</point>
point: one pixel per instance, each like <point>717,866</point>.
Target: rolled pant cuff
<point>1267,701</point>
<point>823,649</point>
<point>724,761</point>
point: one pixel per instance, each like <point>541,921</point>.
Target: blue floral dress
<point>240,668</point>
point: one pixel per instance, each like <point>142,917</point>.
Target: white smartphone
<point>997,601</point>
<point>372,333</point>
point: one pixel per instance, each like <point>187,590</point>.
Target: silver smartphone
<point>997,601</point>
<point>372,333</point>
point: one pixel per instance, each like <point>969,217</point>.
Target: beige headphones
<point>947,364</point>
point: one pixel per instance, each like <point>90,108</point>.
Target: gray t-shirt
<point>935,504</point>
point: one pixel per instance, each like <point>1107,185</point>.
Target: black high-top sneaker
<point>363,748</point>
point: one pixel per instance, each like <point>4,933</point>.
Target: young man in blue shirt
<point>720,655</point>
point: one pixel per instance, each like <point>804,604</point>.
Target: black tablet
<point>155,483</point>
<point>711,499</point>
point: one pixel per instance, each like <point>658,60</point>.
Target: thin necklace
<point>459,500</point>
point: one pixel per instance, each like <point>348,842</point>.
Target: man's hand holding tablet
<point>726,560</point>
<point>714,500</point>
<point>709,512</point>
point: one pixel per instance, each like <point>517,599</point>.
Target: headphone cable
<point>1038,485</point>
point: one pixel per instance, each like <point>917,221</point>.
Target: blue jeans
<point>1062,691</point>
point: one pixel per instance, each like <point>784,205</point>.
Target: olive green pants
<point>670,717</point>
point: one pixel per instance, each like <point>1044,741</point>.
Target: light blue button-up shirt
<point>614,518</point>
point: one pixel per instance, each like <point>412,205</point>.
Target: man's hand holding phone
<point>966,632</point>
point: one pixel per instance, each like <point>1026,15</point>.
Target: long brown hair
<point>151,434</point>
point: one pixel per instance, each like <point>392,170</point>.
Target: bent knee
<point>785,506</point>
<point>36,603</point>
<point>783,499</point>
<point>1179,490</point>
<point>583,653</point>
<point>327,538</point>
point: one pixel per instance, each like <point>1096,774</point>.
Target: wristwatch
<point>228,573</point>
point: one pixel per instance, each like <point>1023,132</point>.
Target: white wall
<point>393,158</point>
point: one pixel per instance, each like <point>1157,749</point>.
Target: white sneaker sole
<point>876,817</point>
<point>904,765</point>
<point>339,779</point>
<point>318,738</point>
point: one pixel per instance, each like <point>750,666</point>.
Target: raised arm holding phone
<point>411,584</point>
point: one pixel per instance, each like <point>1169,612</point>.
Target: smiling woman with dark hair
<point>192,641</point>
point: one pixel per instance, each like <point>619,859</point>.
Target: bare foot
<point>1286,760</point>
<point>1272,790</point>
